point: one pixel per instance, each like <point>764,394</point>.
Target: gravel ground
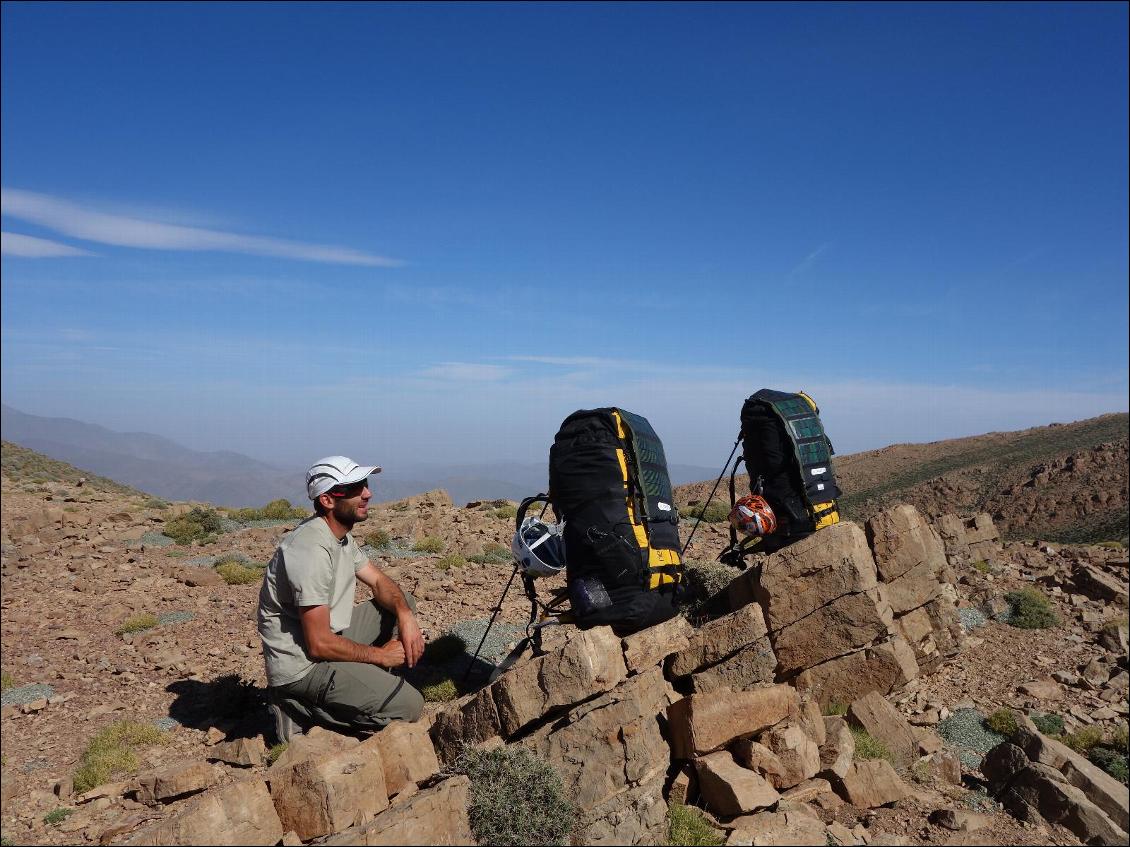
<point>498,643</point>
<point>971,619</point>
<point>174,617</point>
<point>26,694</point>
<point>965,731</point>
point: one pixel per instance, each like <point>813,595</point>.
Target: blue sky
<point>429,233</point>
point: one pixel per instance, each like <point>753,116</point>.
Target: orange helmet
<point>751,515</point>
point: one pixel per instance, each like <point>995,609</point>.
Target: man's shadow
<point>234,706</point>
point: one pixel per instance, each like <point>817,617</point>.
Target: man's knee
<point>405,705</point>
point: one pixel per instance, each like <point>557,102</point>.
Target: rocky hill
<point>836,694</point>
<point>1063,482</point>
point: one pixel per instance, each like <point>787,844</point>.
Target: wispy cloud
<point>571,361</point>
<point>30,247</point>
<point>119,230</point>
<point>808,261</point>
<point>466,372</point>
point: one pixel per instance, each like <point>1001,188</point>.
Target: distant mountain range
<point>160,466</point>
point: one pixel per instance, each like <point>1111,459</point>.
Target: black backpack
<point>608,481</point>
<point>789,460</point>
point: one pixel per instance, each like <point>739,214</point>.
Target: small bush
<point>1002,722</point>
<point>867,747</point>
<point>378,539</point>
<point>836,709</point>
<point>138,623</point>
<point>1048,724</point>
<point>276,751</point>
<point>1082,740</point>
<point>429,544</point>
<point>276,510</point>
<point>506,512</point>
<point>1120,739</point>
<point>714,513</point>
<point>686,825</point>
<point>200,524</point>
<point>155,503</point>
<point>111,752</point>
<point>1031,610</point>
<point>449,562</point>
<point>982,566</point>
<point>237,573</point>
<point>6,681</point>
<point>516,798</point>
<point>493,554</point>
<point>443,691</point>
<point>1111,761</point>
<point>704,580</point>
<point>57,815</point>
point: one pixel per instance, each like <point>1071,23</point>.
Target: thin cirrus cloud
<point>466,372</point>
<point>87,224</point>
<point>30,247</point>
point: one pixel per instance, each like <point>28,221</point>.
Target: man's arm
<point>389,596</point>
<point>324,645</point>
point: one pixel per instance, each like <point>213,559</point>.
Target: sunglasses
<point>351,490</point>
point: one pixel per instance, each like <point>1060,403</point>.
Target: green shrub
<point>237,573</point>
<point>57,815</point>
<point>443,691</point>
<point>378,539</point>
<point>281,510</point>
<point>200,524</point>
<point>138,623</point>
<point>452,561</point>
<point>6,681</point>
<point>155,503</point>
<point>713,513</point>
<point>1120,739</point>
<point>867,747</point>
<point>982,566</point>
<point>686,825</point>
<point>1082,740</point>
<point>1002,722</point>
<point>1031,609</point>
<point>1111,761</point>
<point>493,554</point>
<point>276,751</point>
<point>429,544</point>
<point>111,752</point>
<point>836,709</point>
<point>1050,725</point>
<point>704,580</point>
<point>506,512</point>
<point>516,798</point>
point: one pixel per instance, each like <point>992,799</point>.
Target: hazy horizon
<point>428,233</point>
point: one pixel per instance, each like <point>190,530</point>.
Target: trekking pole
<point>525,504</point>
<point>494,615</point>
<point>711,497</point>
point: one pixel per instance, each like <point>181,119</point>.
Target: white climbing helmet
<point>538,548</point>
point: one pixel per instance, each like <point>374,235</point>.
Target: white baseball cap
<point>325,473</point>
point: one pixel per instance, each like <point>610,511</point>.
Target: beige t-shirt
<point>309,568</point>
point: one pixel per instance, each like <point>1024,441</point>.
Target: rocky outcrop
<point>1036,777</point>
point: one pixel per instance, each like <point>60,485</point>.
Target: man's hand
<point>390,655</point>
<point>411,638</point>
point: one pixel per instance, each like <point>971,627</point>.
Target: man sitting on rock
<point>328,661</point>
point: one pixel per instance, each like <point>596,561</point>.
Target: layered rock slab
<point>612,758</point>
<point>239,813</point>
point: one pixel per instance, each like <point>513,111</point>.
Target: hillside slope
<point>1062,482</point>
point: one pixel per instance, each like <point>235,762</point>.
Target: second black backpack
<point>789,459</point>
